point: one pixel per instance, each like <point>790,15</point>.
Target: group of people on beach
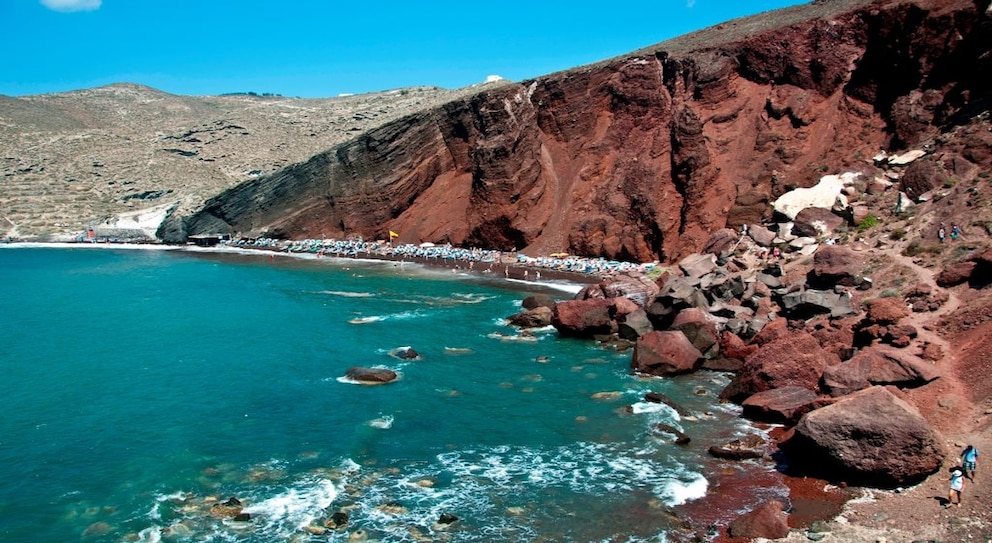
<point>429,251</point>
<point>969,461</point>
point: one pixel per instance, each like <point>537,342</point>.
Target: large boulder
<point>584,318</point>
<point>538,300</point>
<point>538,317</point>
<point>635,324</point>
<point>778,405</point>
<point>868,437</point>
<point>665,353</point>
<point>699,328</point>
<point>697,265</point>
<point>956,273</point>
<point>373,376</point>
<point>721,242</point>
<point>803,304</point>
<point>893,367</point>
<point>885,310</point>
<point>767,521</point>
<point>792,360</point>
<point>833,265</point>
<point>847,377</point>
<point>815,222</point>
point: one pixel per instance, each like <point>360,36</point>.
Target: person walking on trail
<point>941,233</point>
<point>957,485</point>
<point>969,461</point>
<point>955,232</point>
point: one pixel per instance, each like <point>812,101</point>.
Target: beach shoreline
<point>811,500</point>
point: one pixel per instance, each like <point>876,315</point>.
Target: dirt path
<point>918,513</point>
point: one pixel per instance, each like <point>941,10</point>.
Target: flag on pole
<point>393,235</point>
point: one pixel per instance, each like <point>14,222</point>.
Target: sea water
<point>140,387</point>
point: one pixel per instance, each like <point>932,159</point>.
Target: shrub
<point>897,234</point>
<point>867,223</point>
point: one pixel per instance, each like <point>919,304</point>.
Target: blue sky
<point>327,47</point>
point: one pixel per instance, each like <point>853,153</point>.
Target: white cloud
<point>72,5</point>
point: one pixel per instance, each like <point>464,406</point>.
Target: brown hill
<point>76,159</point>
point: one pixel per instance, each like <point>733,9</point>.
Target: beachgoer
<point>957,485</point>
<point>955,232</point>
<point>941,233</point>
<point>969,461</point>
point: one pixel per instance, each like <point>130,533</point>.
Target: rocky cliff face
<point>640,158</point>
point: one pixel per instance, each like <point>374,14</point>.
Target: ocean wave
<point>347,293</point>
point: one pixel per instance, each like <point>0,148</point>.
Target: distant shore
<point>507,267</point>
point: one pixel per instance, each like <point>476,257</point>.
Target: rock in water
<point>370,375</point>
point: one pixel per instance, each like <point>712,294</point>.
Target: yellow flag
<point>393,235</point>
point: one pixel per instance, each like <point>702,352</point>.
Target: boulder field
<point>826,366</point>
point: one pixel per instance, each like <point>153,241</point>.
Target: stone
<point>697,326</point>
<point>584,318</point>
<point>538,300</point>
<point>833,265</point>
<point>956,273</point>
<point>732,346</point>
<point>538,317</point>
<point>404,353</point>
<point>665,353</point>
<point>371,375</point>
<point>847,377</point>
<point>868,437</point>
<point>662,429</point>
<point>697,265</point>
<point>815,222</point>
<point>767,521</point>
<point>634,325</point>
<point>892,367</point>
<point>806,303</point>
<point>777,405</point>
<point>721,242</point>
<point>795,359</point>
<point>885,311</point>
<point>906,158</point>
<point>744,448</point>
<point>761,235</point>
<point>446,518</point>
<point>658,397</point>
<point>732,365</point>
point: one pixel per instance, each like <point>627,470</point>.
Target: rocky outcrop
<point>665,353</point>
<point>794,360</point>
<point>767,521</point>
<point>371,376</point>
<point>867,437</point>
<point>638,158</point>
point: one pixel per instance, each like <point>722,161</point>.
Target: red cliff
<point>641,158</point>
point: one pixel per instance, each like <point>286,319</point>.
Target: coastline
<point>810,500</point>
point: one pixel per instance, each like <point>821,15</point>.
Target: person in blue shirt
<point>969,461</point>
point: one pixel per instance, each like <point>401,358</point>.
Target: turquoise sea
<point>139,387</point>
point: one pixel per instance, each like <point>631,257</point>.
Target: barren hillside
<point>76,159</point>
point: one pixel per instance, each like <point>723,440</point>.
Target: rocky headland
<point>810,185</point>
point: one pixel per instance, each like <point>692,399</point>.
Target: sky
<point>324,48</point>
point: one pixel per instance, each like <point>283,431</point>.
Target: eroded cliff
<point>640,158</point>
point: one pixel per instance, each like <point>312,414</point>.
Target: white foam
<point>294,508</point>
<point>152,534</point>
<point>348,294</point>
<point>382,423</point>
<point>690,486</point>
